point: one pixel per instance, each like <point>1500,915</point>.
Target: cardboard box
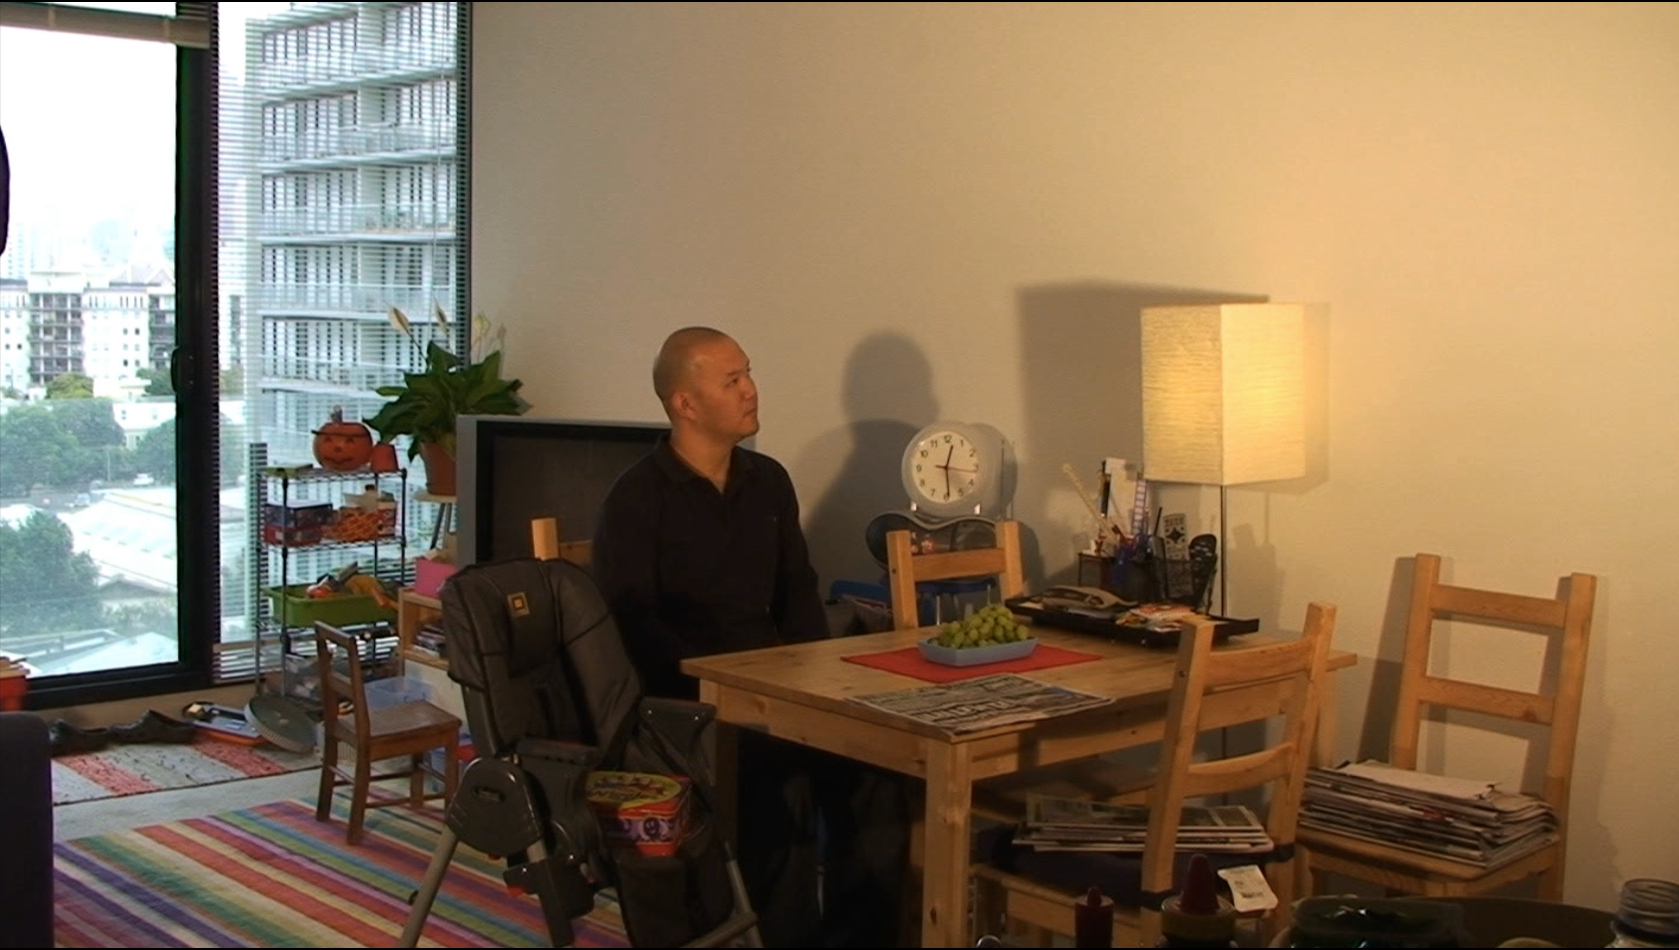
<point>295,524</point>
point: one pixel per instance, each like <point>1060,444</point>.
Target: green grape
<point>992,624</point>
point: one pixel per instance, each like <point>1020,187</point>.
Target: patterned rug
<point>132,769</point>
<point>272,876</point>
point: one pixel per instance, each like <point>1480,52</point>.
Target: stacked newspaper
<point>1463,820</point>
<point>1070,824</point>
<point>982,703</point>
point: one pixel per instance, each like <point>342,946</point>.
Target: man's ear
<point>682,403</point>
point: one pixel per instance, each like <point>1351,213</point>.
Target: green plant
<point>425,404</point>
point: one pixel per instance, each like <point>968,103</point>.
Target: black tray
<point>1107,625</point>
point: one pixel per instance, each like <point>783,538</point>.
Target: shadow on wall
<point>888,397</point>
<point>1082,381</point>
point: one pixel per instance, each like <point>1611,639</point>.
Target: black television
<point>512,469</point>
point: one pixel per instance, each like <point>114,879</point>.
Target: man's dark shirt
<point>690,571</point>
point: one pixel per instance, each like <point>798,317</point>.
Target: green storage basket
<point>295,608</point>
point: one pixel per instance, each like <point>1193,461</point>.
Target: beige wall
<point>920,211</point>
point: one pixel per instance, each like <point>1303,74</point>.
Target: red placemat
<point>910,662</point>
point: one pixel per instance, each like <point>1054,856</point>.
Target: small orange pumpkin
<point>343,446</point>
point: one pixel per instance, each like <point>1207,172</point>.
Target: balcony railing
<point>350,141</point>
<point>359,377</point>
<point>427,218</point>
<point>334,67</point>
<point>368,302</point>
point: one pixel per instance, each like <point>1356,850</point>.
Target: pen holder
<point>1133,578</point>
<point>1145,578</point>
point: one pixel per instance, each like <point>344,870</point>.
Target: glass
<point>1648,915</point>
<point>341,168</point>
<point>88,565</point>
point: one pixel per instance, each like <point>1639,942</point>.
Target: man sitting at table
<point>699,550</point>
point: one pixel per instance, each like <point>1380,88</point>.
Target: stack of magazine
<point>1070,824</point>
<point>1464,820</point>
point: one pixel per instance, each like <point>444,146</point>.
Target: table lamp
<point>1223,397</point>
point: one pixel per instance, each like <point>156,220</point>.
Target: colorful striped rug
<point>272,876</point>
<point>132,769</point>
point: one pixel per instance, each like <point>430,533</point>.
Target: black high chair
<point>550,696</point>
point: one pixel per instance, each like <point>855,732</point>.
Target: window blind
<point>342,171</point>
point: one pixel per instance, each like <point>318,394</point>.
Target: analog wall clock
<point>951,469</point>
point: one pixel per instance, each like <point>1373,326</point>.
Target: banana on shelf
<point>351,580</point>
<point>371,586</point>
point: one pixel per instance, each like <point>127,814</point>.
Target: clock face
<point>951,469</point>
<point>944,469</point>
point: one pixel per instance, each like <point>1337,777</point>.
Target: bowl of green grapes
<point>990,634</point>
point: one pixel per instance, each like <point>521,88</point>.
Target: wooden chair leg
<point>451,772</point>
<point>416,780</point>
<point>329,780</point>
<point>1550,883</point>
<point>1285,883</point>
<point>359,790</point>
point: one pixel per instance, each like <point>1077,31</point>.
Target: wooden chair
<point>1476,616</point>
<point>906,569</point>
<point>406,730</point>
<point>546,543</point>
<point>1229,681</point>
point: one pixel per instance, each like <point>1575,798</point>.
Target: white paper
<point>1444,785</point>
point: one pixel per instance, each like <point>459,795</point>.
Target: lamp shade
<point>1223,400</point>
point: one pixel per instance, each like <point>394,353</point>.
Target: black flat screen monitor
<point>513,469</point>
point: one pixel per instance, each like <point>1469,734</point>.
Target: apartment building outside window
<point>320,153</point>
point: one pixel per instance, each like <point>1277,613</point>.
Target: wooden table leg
<point>945,848</point>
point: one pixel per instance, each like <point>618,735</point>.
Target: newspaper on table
<point>1054,823</point>
<point>969,705</point>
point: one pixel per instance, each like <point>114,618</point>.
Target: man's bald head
<point>675,363</point>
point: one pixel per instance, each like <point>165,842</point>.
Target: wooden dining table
<point>805,693</point>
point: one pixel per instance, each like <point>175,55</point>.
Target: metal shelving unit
<point>281,623</point>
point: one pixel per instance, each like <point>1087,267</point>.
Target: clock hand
<point>946,466</point>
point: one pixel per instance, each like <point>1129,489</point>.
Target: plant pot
<point>440,468</point>
<point>383,457</point>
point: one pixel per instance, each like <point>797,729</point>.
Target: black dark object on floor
<point>550,695</point>
<point>153,727</point>
<point>26,857</point>
<point>68,739</point>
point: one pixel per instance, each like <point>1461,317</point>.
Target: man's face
<point>724,398</point>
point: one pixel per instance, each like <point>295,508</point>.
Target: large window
<point>211,221</point>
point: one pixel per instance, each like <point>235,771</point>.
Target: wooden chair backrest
<point>1206,678</point>
<point>338,659</point>
<point>1554,702</point>
<point>905,569</point>
<point>546,543</point>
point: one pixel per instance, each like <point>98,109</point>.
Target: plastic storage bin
<point>393,690</point>
<point>293,606</point>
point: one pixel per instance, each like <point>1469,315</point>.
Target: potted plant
<point>425,404</point>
